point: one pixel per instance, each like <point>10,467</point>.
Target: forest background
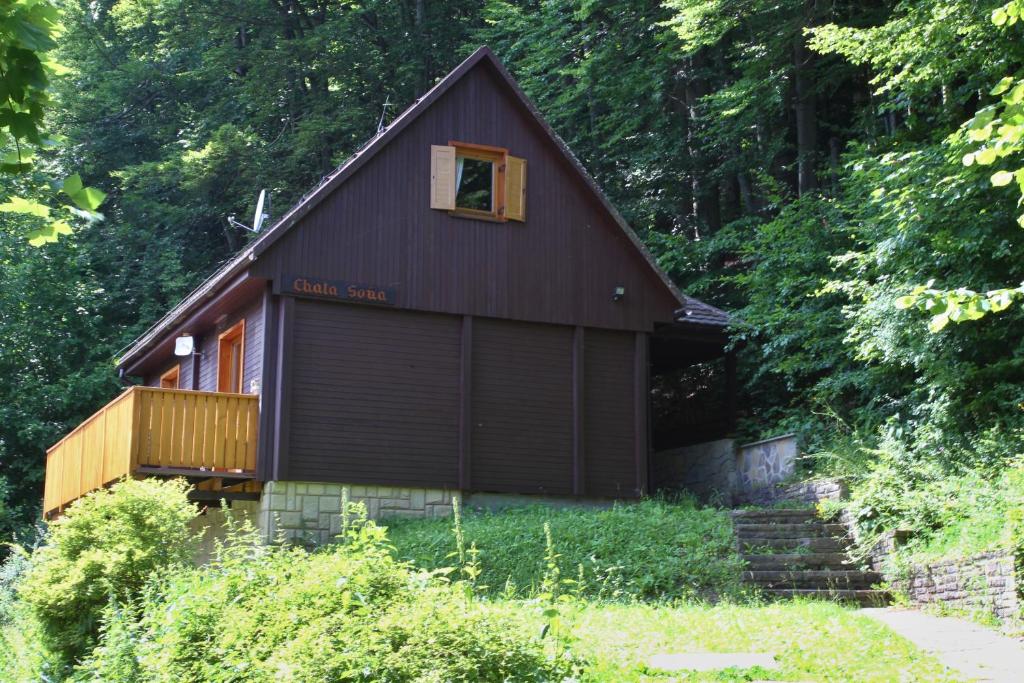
<point>807,165</point>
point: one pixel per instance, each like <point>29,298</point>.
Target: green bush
<point>348,612</point>
<point>104,549</point>
<point>652,549</point>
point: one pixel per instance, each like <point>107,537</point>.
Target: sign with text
<point>339,289</point>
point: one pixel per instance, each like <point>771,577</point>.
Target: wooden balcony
<point>155,432</point>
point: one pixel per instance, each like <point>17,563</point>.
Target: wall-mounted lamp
<point>618,293</point>
<point>185,345</point>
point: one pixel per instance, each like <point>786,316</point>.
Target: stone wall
<point>981,583</point>
<point>708,470</point>
<point>805,492</point>
<point>311,513</point>
<point>766,463</point>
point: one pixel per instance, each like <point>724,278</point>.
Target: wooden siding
<point>374,396</point>
<point>560,266</point>
<point>522,407</point>
<point>151,427</point>
<point>252,367</point>
<point>608,419</point>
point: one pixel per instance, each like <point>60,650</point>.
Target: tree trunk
<point>805,108</point>
<point>805,102</point>
<point>706,210</point>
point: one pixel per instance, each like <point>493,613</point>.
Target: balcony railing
<point>149,431</point>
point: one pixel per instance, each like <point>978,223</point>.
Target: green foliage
<point>951,510</point>
<point>28,33</point>
<point>349,612</point>
<point>653,549</point>
<point>998,129</point>
<point>104,550</point>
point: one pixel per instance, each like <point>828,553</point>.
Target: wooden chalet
<point>456,308</point>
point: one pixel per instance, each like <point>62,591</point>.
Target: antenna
<point>259,218</point>
<point>383,113</point>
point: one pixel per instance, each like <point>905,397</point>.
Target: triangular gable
<point>332,181</point>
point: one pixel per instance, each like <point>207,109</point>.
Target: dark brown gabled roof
<point>237,265</point>
<point>696,312</point>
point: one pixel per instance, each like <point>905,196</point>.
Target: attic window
<point>477,181</point>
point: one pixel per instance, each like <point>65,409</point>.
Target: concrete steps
<point>795,554</point>
<point>812,578</point>
<point>789,561</point>
<point>811,544</point>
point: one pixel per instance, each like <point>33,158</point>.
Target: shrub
<point>103,550</point>
<point>651,549</point>
<point>952,509</point>
<point>348,612</point>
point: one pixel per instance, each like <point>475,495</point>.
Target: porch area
<point>210,438</point>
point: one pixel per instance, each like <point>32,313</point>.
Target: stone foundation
<point>311,513</point>
<point>984,582</point>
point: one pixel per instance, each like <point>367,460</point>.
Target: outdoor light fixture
<point>619,292</point>
<point>184,345</point>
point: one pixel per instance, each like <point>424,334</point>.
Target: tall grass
<point>648,550</point>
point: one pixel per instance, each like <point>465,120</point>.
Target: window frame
<point>225,342</point>
<point>172,374</point>
<point>498,157</point>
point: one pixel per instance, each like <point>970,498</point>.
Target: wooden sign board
<point>340,290</point>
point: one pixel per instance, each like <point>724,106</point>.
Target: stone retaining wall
<point>708,470</point>
<point>984,582</point>
<point>311,513</point>
<point>767,462</point>
<point>807,492</point>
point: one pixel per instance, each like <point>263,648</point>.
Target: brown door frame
<point>226,341</point>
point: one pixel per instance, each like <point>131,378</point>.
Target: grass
<point>648,550</point>
<point>811,640</point>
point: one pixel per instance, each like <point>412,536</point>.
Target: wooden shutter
<point>515,189</point>
<point>442,177</point>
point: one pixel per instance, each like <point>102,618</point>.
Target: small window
<point>170,379</point>
<point>230,359</point>
<point>477,181</point>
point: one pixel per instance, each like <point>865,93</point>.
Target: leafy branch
<point>999,129</point>
<point>28,30</point>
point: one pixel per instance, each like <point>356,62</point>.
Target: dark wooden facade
<point>501,360</point>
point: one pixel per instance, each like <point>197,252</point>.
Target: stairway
<point>793,553</point>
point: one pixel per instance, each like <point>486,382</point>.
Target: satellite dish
<point>184,345</point>
<point>259,218</point>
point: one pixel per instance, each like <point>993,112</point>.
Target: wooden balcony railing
<point>145,428</point>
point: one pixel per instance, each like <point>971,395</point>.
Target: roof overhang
<point>200,311</point>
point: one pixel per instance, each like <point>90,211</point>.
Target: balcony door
<point>230,359</point>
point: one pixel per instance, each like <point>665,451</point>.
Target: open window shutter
<point>515,189</point>
<point>442,177</point>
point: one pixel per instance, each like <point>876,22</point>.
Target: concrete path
<point>977,652</point>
